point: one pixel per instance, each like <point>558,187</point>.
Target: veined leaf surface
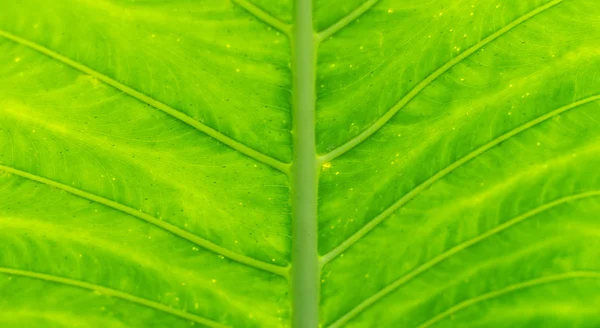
<point>262,163</point>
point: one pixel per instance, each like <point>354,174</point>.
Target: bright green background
<point>144,150</point>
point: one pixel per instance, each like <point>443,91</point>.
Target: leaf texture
<point>160,163</point>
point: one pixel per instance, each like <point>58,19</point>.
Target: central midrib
<point>304,280</point>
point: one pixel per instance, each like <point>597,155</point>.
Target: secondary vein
<point>512,288</point>
<point>181,233</point>
<point>447,170</point>
<point>264,16</point>
<point>456,249</point>
<point>234,144</point>
<point>428,80</point>
<point>114,293</point>
<point>345,21</point>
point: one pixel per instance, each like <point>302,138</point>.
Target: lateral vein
<point>427,81</point>
<point>456,249</point>
<point>510,289</point>
<point>228,141</point>
<point>345,21</point>
<point>114,293</point>
<point>265,17</point>
<point>181,233</point>
<point>447,170</point>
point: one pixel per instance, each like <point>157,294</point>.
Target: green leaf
<point>270,163</point>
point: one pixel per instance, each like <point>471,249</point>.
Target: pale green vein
<point>184,234</point>
<point>428,80</point>
<point>510,289</point>
<point>456,249</point>
<point>264,16</point>
<point>304,280</point>
<point>113,293</point>
<point>447,170</point>
<point>339,25</point>
<point>234,144</point>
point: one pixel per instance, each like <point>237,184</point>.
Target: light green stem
<point>305,263</point>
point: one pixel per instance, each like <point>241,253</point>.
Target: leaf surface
<point>160,163</point>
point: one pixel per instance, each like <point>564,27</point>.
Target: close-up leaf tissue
<point>300,163</point>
